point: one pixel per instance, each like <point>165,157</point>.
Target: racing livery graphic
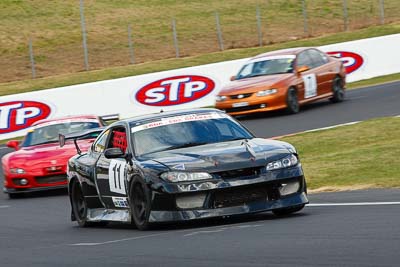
<point>181,165</point>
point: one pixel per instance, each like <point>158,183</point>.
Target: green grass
<point>375,81</point>
<point>54,27</point>
<point>161,65</point>
<point>364,155</point>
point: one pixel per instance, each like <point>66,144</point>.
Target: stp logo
<point>351,61</point>
<point>175,90</point>
<point>18,115</point>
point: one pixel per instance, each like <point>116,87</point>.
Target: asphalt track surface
<point>359,228</point>
<point>360,104</point>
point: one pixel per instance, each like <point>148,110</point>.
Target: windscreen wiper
<point>47,142</point>
<point>256,75</point>
<point>237,138</point>
<point>187,144</point>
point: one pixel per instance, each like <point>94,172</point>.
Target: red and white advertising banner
<point>175,89</point>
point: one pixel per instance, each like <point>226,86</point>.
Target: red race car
<point>38,162</point>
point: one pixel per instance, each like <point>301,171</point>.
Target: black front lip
<point>31,190</point>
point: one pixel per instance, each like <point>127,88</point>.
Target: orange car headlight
<point>220,98</point>
<point>267,92</point>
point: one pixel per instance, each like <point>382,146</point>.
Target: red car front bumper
<point>20,183</point>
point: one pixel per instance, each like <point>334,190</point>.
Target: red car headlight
<point>17,171</point>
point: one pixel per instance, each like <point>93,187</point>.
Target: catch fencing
<point>97,35</point>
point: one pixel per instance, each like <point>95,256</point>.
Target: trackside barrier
<point>174,89</point>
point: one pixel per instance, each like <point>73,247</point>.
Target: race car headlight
<point>176,177</point>
<point>267,92</point>
<point>17,171</point>
<point>220,98</point>
<point>286,162</point>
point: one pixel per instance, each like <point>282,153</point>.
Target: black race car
<point>182,165</point>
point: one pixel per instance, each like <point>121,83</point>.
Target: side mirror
<point>233,78</point>
<point>13,144</point>
<point>302,69</point>
<point>113,153</point>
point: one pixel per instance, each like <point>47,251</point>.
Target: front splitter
<point>185,215</point>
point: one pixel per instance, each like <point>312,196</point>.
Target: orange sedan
<point>283,79</point>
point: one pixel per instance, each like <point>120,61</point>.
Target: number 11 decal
<point>116,176</point>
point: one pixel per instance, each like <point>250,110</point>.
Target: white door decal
<point>310,85</point>
<point>116,176</point>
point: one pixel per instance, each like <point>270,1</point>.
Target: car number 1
<point>116,176</point>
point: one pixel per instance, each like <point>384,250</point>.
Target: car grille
<point>240,173</point>
<point>245,194</point>
<point>51,179</point>
<point>246,108</point>
<point>240,96</point>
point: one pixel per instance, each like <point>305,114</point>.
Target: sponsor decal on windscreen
<point>179,119</point>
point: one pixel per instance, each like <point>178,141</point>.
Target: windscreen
<point>180,132</point>
<point>269,66</point>
<point>49,133</point>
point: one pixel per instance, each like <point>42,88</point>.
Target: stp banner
<point>174,89</point>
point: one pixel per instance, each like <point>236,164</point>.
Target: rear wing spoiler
<point>88,134</point>
<point>110,117</point>
<point>337,55</point>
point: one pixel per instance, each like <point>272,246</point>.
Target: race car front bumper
<point>279,189</point>
<point>32,189</point>
<point>295,200</point>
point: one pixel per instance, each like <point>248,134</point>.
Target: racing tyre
<point>79,206</point>
<point>140,202</point>
<point>292,101</point>
<point>14,195</point>
<point>338,90</point>
<point>287,211</point>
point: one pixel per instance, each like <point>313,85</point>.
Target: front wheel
<point>337,90</point>
<point>79,206</point>
<point>292,101</point>
<point>140,202</point>
<point>287,211</point>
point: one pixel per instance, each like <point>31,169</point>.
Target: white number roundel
<point>310,85</point>
<point>116,176</point>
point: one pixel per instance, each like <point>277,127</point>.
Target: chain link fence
<point>87,35</point>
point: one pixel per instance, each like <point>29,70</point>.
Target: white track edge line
<point>113,241</point>
<point>352,204</point>
<point>332,127</point>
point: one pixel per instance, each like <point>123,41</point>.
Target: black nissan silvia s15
<point>181,165</point>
